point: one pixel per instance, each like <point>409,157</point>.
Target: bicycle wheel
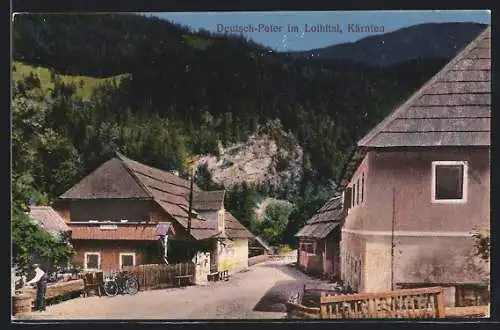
<point>131,285</point>
<point>110,288</point>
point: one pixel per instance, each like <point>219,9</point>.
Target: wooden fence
<point>160,276</point>
<point>409,304</point>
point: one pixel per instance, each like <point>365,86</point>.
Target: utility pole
<point>392,235</point>
<point>190,197</point>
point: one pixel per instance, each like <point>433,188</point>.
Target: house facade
<point>126,213</point>
<point>319,249</point>
<point>418,184</point>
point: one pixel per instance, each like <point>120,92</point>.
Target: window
<point>357,193</point>
<point>92,260</point>
<point>362,187</point>
<point>127,259</point>
<point>353,195</point>
<point>347,198</point>
<point>449,181</point>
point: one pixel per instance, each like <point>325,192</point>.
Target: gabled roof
<point>122,177</point>
<point>110,180</point>
<point>48,219</point>
<point>327,218</point>
<point>452,109</point>
<point>262,243</point>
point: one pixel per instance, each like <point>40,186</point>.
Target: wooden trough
<point>21,304</point>
<point>57,289</point>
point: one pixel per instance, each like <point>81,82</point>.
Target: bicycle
<point>120,283</point>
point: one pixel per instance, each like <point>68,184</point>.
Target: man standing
<point>40,280</point>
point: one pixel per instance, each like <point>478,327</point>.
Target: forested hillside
<point>178,95</point>
<point>428,40</point>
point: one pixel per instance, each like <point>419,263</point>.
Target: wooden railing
<point>409,304</point>
<point>298,311</point>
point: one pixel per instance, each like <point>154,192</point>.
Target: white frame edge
<point>465,182</point>
<point>126,254</point>
<point>98,260</point>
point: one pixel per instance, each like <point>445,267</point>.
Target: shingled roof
<point>322,223</point>
<point>122,177</point>
<point>453,109</point>
<point>208,200</point>
<point>48,219</point>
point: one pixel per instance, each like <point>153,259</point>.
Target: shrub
<point>284,248</point>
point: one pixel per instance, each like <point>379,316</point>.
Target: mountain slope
<point>185,92</point>
<point>430,40</point>
<point>84,85</point>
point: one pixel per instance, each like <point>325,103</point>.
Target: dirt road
<point>259,292</point>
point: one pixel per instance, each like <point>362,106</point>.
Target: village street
<point>259,292</point>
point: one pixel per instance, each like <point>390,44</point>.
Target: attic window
<point>449,182</point>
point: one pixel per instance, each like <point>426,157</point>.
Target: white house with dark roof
<point>418,185</point>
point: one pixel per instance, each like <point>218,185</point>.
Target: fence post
<point>323,312</point>
<point>440,304</point>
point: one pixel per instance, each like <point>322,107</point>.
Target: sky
<point>272,28</point>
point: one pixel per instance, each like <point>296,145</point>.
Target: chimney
<point>221,225</point>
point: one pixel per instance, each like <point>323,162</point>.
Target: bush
<point>284,248</point>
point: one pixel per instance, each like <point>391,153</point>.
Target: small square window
<point>449,181</point>
<point>127,260</point>
<point>92,260</point>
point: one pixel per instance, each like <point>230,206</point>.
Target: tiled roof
<point>327,218</point>
<point>451,109</point>
<point>110,180</point>
<point>48,219</point>
<point>317,230</point>
<point>169,191</point>
<point>261,242</point>
<point>95,231</point>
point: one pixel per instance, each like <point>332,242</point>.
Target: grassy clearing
<point>196,42</point>
<point>84,84</point>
